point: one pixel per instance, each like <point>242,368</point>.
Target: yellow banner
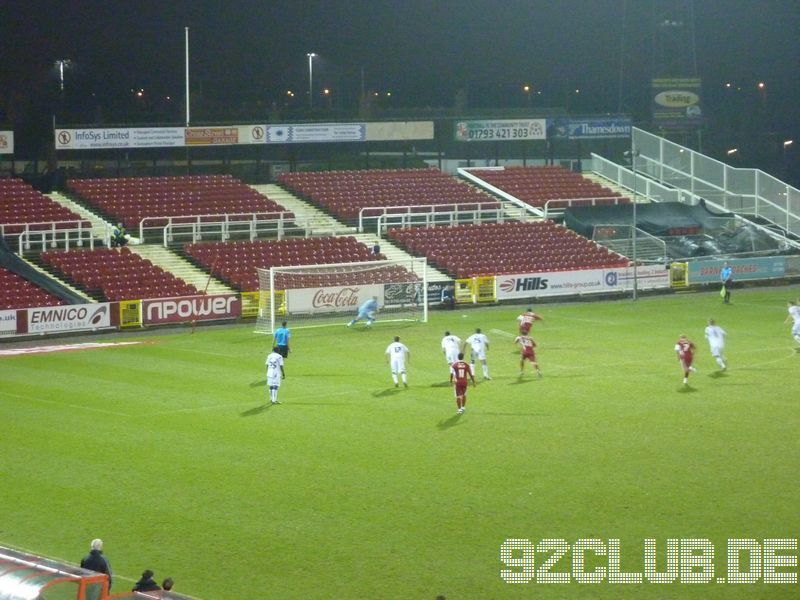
<point>476,289</point>
<point>679,275</point>
<point>263,303</point>
<point>484,289</point>
<point>130,313</point>
<point>464,291</point>
<point>250,305</point>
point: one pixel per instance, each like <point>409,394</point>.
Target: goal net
<point>313,295</point>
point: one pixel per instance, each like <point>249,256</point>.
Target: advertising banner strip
<point>72,317</point>
<point>258,133</point>
<point>744,269</point>
<point>563,283</point>
<point>501,130</point>
<point>186,309</point>
<point>6,142</point>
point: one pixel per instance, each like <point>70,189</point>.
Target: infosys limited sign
<point>191,308</point>
<point>72,317</point>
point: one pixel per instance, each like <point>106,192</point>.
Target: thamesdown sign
<point>588,129</point>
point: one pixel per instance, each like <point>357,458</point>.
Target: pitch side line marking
<point>76,406</point>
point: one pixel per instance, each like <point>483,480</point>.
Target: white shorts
<point>796,329</point>
<point>273,381</point>
<point>398,366</point>
<point>478,355</point>
<point>716,351</point>
<point>451,357</point>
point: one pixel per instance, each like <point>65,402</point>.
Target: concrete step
<point>101,229</point>
<point>614,187</point>
<point>181,268</point>
<point>306,215</point>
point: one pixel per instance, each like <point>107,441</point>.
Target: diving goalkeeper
<point>366,312</point>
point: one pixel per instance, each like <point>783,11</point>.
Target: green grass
<point>352,489</point>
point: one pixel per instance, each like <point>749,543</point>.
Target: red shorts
<point>528,354</point>
<point>525,328</point>
<point>461,389</point>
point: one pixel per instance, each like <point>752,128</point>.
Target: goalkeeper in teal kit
<point>366,312</point>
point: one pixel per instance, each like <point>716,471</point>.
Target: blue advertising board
<point>744,269</point>
<point>589,129</point>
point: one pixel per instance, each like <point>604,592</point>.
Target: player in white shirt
<point>397,353</point>
<point>275,373</point>
<point>479,344</point>
<point>451,346</point>
<point>794,315</point>
<point>716,341</point>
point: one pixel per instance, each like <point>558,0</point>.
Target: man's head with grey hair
<point>97,544</point>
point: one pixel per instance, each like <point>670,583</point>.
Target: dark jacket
<point>95,561</point>
<point>146,584</point>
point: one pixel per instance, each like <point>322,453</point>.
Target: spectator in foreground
<point>95,561</point>
<point>449,297</point>
<point>146,583</point>
<point>118,236</point>
<point>167,584</point>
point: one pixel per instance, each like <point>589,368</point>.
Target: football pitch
<point>169,451</point>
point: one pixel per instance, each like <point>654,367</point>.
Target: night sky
<point>422,51</point>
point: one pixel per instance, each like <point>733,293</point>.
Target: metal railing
<point>50,234</point>
<point>557,206</point>
<point>438,214</point>
<point>637,182</point>
<point>466,174</point>
<point>648,248</point>
<point>219,226</point>
<point>745,191</point>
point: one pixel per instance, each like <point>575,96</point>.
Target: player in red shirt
<point>685,348</point>
<point>526,320</point>
<point>460,373</point>
<point>527,345</point>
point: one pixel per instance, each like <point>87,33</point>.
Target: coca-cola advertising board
<point>331,299</point>
<point>190,308</point>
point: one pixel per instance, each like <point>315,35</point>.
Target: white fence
<point>748,191</point>
<point>218,226</point>
<point>428,215</point>
<point>52,234</point>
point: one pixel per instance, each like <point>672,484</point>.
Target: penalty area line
<point>503,333</point>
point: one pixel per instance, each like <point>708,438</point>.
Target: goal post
<point>315,295</point>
